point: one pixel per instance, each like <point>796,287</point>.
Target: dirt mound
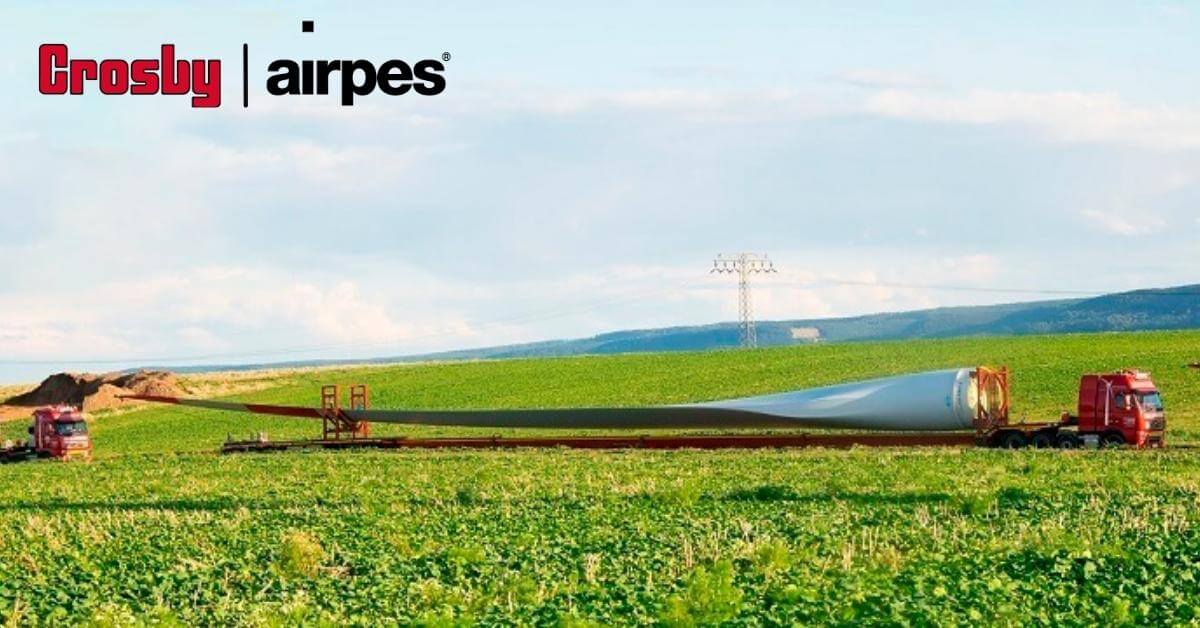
<point>98,392</point>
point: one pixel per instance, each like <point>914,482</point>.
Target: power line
<point>744,264</point>
<point>949,288</point>
<point>1150,292</point>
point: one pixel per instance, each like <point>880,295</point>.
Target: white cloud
<point>195,312</point>
<point>203,339</point>
<point>57,340</point>
<point>17,137</point>
<point>1174,11</point>
<point>1117,223</point>
<point>367,113</point>
<point>883,79</point>
<point>1063,116</point>
<point>342,314</point>
<point>328,165</point>
<point>695,104</point>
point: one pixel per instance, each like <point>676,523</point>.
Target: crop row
<point>542,537</point>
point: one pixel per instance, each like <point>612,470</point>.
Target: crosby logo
<point>59,74</point>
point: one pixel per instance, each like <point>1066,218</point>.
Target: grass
<point>158,529</point>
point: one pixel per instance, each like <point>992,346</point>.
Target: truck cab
<point>60,432</point>
<point>1114,409</point>
<point>1122,408</point>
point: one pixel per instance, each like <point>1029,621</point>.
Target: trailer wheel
<point>1043,440</point>
<point>1113,440</point>
<point>1068,441</point>
<point>1012,440</point>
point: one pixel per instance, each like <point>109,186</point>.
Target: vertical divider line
<point>245,76</point>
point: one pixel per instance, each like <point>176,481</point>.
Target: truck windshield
<point>1152,401</point>
<point>70,429</point>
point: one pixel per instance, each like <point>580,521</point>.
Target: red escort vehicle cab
<point>57,432</point>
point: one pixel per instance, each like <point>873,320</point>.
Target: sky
<point>582,168</point>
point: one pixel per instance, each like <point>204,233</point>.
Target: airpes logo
<point>60,74</point>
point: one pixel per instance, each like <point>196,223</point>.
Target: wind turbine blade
<point>932,401</point>
<point>233,406</point>
<point>664,417</point>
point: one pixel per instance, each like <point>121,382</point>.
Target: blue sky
<point>580,171</point>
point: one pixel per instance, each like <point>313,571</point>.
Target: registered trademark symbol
<point>445,56</point>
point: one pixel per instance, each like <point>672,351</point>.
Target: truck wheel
<point>1068,441</point>
<point>1012,440</point>
<point>1113,440</point>
<point>1043,440</point>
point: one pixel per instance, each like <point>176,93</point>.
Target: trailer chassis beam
<point>660,442</point>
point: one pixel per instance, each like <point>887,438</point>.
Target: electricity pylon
<point>744,264</point>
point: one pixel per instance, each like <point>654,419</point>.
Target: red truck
<point>57,432</point>
<point>1114,409</point>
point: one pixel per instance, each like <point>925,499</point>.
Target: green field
<point>159,529</point>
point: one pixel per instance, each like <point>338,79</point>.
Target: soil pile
<point>97,392</point>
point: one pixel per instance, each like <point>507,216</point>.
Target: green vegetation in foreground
<point>551,536</point>
<point>543,537</point>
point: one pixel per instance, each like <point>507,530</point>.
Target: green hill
<point>1140,310</point>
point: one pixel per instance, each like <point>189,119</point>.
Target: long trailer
<point>638,441</point>
<point>1121,408</point>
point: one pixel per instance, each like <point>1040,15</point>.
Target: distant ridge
<point>1139,310</point>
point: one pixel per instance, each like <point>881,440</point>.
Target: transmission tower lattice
<point>744,264</point>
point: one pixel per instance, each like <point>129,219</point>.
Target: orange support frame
<point>335,425</point>
<point>992,407</point>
